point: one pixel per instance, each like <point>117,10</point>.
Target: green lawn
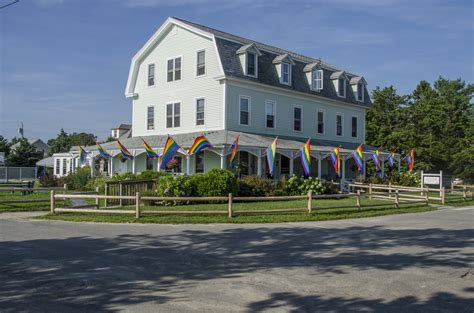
<point>316,215</point>
<point>33,206</point>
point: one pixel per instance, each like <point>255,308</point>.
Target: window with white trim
<point>201,63</point>
<point>150,119</point>
<point>58,166</point>
<point>151,74</point>
<point>64,167</point>
<point>354,126</point>
<point>341,87</point>
<point>200,111</point>
<point>317,80</point>
<point>338,125</point>
<point>173,69</point>
<point>320,122</point>
<point>173,115</point>
<point>285,73</point>
<point>270,114</point>
<point>297,116</point>
<point>244,110</point>
<point>251,64</point>
<point>360,92</point>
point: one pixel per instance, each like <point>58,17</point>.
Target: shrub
<point>149,193</point>
<point>330,188</point>
<point>124,176</point>
<point>48,180</point>
<point>255,186</point>
<point>98,181</point>
<point>216,182</point>
<point>170,186</point>
<point>311,184</point>
<point>406,179</point>
<point>80,178</point>
<point>292,185</point>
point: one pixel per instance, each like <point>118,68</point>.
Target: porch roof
<point>225,138</point>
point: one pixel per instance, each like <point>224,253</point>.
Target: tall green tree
<point>24,155</point>
<point>62,143</point>
<point>83,139</point>
<point>4,145</point>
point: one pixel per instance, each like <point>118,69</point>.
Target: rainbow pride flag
<point>391,159</point>
<point>82,155</point>
<point>150,153</point>
<point>306,158</point>
<point>271,152</point>
<point>170,149</point>
<point>233,148</point>
<point>358,158</point>
<point>200,143</point>
<point>376,159</point>
<point>336,160</point>
<point>102,152</point>
<point>411,159</point>
<point>125,154</point>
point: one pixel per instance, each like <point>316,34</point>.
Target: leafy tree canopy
<point>64,142</point>
<point>24,155</point>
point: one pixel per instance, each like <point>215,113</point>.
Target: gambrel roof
<point>229,47</point>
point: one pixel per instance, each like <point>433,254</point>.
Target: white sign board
<point>431,180</point>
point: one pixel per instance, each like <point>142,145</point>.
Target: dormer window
<point>317,80</point>
<point>248,56</point>
<point>283,64</point>
<point>341,87</point>
<point>360,92</point>
<point>358,87</point>
<point>251,64</point>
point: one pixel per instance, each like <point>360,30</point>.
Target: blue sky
<point>64,63</point>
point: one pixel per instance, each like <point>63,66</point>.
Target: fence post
<point>21,175</point>
<point>120,192</point>
<point>370,191</point>
<point>52,201</point>
<point>65,189</point>
<point>464,193</point>
<point>452,186</point>
<point>390,189</point>
<point>97,199</point>
<point>230,206</point>
<point>427,196</point>
<point>106,186</point>
<point>358,199</point>
<point>443,195</point>
<point>397,201</point>
<point>310,201</point>
<point>137,205</point>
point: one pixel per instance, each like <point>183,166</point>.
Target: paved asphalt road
<point>400,263</point>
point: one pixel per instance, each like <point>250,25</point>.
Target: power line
<point>9,4</point>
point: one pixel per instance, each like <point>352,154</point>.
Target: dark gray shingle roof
<point>230,45</point>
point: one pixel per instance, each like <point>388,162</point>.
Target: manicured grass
<point>16,207</point>
<point>316,215</point>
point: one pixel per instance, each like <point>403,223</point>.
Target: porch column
<point>343,172</point>
<point>223,157</point>
<point>111,168</point>
<point>188,166</point>
<point>259,163</point>
<point>92,164</point>
<point>383,168</point>
<point>291,164</point>
<point>319,167</point>
<point>133,164</point>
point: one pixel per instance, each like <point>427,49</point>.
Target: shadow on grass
<point>85,273</point>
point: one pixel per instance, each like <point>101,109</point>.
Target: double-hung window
<point>244,110</point>
<point>173,115</point>
<point>251,64</point>
<point>338,125</point>
<point>200,111</point>
<point>64,167</point>
<point>270,114</point>
<point>354,126</point>
<point>341,88</point>
<point>297,116</point>
<point>173,69</point>
<point>317,80</point>
<point>320,122</point>
<point>201,63</point>
<point>285,73</point>
<point>58,166</point>
<point>151,74</point>
<point>150,119</point>
<point>360,92</point>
